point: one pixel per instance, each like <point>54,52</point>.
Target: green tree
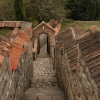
<point>19,10</point>
<point>49,9</point>
<point>83,9</point>
<point>32,13</point>
<point>6,10</point>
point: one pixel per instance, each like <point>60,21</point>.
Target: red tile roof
<point>12,33</point>
<point>15,55</point>
<point>94,29</point>
<point>16,52</point>
<point>1,59</point>
<point>28,31</point>
<point>65,41</point>
<point>18,45</point>
<point>8,34</point>
<point>4,48</point>
<point>9,23</point>
<point>90,48</point>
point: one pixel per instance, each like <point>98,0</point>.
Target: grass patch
<point>66,23</point>
<point>4,32</point>
<point>84,25</point>
<point>87,24</point>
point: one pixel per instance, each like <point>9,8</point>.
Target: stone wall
<point>24,24</point>
<point>14,83</point>
<point>77,84</point>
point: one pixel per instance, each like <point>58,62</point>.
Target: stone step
<point>44,93</point>
<point>45,79</point>
<point>58,97</point>
<point>30,96</point>
<point>44,90</point>
<point>41,97</point>
<point>44,82</point>
<point>41,59</point>
<point>44,87</point>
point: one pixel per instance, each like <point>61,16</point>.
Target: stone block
<point>30,96</point>
<point>33,80</point>
<point>53,80</point>
<point>44,97</point>
<point>46,79</point>
<point>58,97</point>
<point>40,80</point>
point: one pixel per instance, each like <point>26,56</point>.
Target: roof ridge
<point>44,24</point>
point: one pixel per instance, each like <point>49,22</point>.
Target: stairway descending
<point>44,83</point>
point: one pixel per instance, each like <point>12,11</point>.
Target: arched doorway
<point>43,28</point>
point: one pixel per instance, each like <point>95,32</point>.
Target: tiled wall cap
<point>94,29</point>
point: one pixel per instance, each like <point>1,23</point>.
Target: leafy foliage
<point>83,9</point>
<point>19,10</point>
<point>37,10</point>
<point>6,10</point>
<point>49,9</point>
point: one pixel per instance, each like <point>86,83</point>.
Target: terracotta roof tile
<point>28,32</point>
<point>1,58</point>
<point>15,55</point>
<point>17,24</point>
<point>94,29</point>
<point>8,44</point>
<point>24,36</point>
<point>16,52</point>
<point>9,23</point>
<point>65,41</point>
<point>2,24</point>
<point>20,39</point>
<point>8,34</point>
<point>17,47</point>
<point>90,48</point>
<point>6,24</point>
<point>4,48</point>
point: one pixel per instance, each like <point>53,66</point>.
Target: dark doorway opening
<point>43,45</point>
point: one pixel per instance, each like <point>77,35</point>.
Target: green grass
<point>4,32</point>
<point>84,25</point>
<point>87,24</point>
<point>66,23</point>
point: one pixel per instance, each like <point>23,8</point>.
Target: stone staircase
<point>44,83</point>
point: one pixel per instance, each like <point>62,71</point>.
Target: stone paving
<point>43,67</point>
<point>44,83</point>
